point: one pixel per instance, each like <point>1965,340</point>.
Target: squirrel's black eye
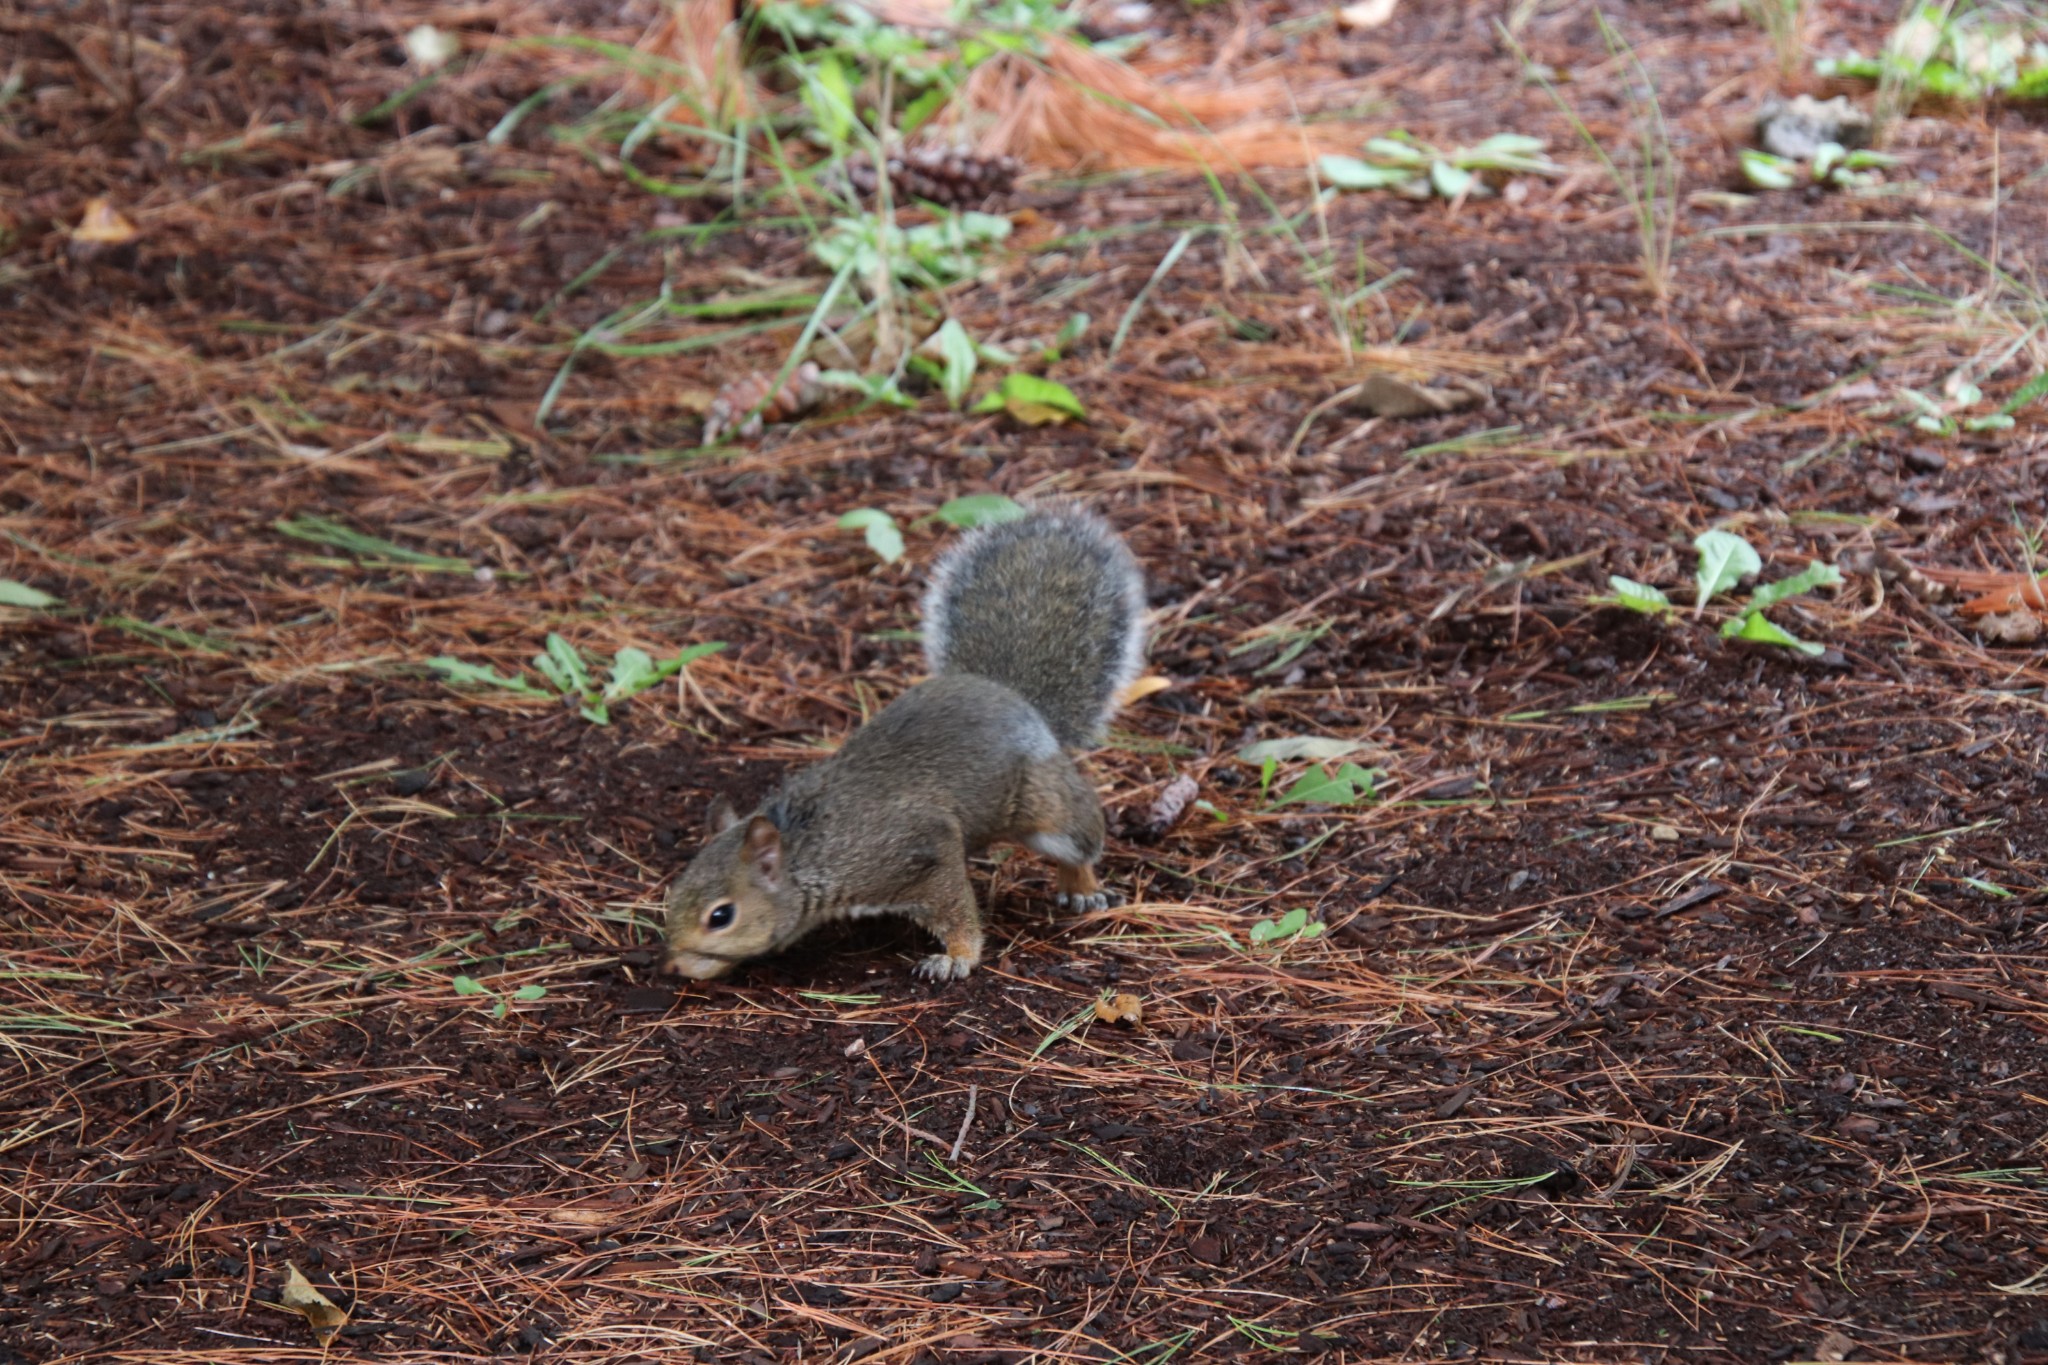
<point>720,917</point>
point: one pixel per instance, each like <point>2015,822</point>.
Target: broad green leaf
<point>1400,151</point>
<point>530,993</point>
<point>1995,421</point>
<point>880,530</point>
<point>980,509</point>
<point>633,670</point>
<point>1321,787</point>
<point>957,350</point>
<point>1365,781</point>
<point>1349,173</point>
<point>1450,182</point>
<point>1814,575</point>
<point>1033,400</point>
<point>14,594</point>
<point>596,712</point>
<point>468,985</point>
<point>1754,626</point>
<point>830,96</point>
<point>1725,560</point>
<point>920,110</point>
<point>562,666</point>
<point>1638,596</point>
<point>454,670</point>
<point>1827,157</point>
<point>1298,746</point>
<point>1291,922</point>
<point>1767,172</point>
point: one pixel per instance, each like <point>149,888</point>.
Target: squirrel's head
<point>722,910</point>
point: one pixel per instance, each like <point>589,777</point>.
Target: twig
<point>973,1093</point>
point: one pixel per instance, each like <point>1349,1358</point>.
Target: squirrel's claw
<point>942,967</point>
<point>1101,898</point>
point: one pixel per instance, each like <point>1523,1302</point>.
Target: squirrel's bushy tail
<point>1051,605</point>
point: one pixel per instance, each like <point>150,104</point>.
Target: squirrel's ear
<point>764,849</point>
<point>720,818</point>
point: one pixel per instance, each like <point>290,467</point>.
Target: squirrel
<point>1033,628</point>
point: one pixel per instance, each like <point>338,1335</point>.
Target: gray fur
<point>1052,606</point>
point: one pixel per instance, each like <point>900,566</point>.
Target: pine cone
<point>948,176</point>
<point>739,398</point>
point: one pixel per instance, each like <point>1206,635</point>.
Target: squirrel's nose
<point>694,966</point>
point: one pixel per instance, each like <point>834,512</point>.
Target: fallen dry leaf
<point>2011,627</point>
<point>1386,396</point>
<point>1141,688</point>
<point>1122,1009</point>
<point>103,225</point>
<point>301,1297</point>
<point>2016,593</point>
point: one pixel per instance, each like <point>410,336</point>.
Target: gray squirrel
<point>1033,629</point>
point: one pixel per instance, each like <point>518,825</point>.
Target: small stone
<point>1925,460</point>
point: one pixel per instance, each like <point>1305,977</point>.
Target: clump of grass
<point>1649,183</point>
<point>1784,24</point>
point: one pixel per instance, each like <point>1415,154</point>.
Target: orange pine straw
<point>1077,110</point>
<point>703,38</point>
<point>1999,592</point>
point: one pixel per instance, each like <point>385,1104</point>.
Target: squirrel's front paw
<point>944,967</point>
<point>1101,898</point>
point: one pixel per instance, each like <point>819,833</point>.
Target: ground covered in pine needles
<point>1681,999</point>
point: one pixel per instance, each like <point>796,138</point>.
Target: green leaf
<point>455,671</point>
<point>1349,173</point>
<point>563,667</point>
<point>1814,575</point>
<point>1364,781</point>
<point>1725,560</point>
<point>468,985</point>
<point>920,110</point>
<point>830,96</point>
<point>1827,157</point>
<point>321,531</point>
<point>1767,172</point>
<point>2029,391</point>
<point>1071,331</point>
<point>1755,627</point>
<point>14,594</point>
<point>980,509</point>
<point>1298,746</point>
<point>879,528</point>
<point>1638,596</point>
<point>957,350</point>
<point>1451,182</point>
<point>596,712</point>
<point>1321,787</point>
<point>1993,421</point>
<point>633,670</point>
<point>1033,400</point>
<point>1401,150</point>
<point>1264,930</point>
<point>530,993</point>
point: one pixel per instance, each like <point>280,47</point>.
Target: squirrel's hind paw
<point>1101,898</point>
<point>944,967</point>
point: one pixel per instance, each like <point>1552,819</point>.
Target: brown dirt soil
<point>1681,1000</point>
